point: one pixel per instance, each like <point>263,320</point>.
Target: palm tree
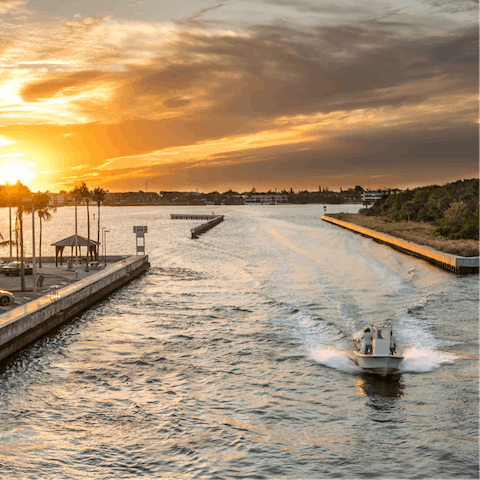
<point>42,207</point>
<point>20,193</point>
<point>8,199</point>
<point>16,230</point>
<point>20,209</point>
<point>5,202</point>
<point>84,193</point>
<point>99,196</point>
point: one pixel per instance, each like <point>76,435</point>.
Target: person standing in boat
<point>367,342</point>
<point>393,345</point>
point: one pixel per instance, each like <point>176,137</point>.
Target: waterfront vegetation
<point>421,233</point>
<point>451,208</point>
<point>442,217</point>
<point>230,197</point>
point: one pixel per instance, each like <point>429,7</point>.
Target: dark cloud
<point>243,83</point>
<point>453,6</point>
<point>284,167</point>
<point>286,71</point>
<point>64,84</point>
<point>349,65</point>
<point>203,86</point>
<point>415,150</point>
<point>457,50</point>
<point>342,153</point>
<point>176,102</point>
<point>172,77</point>
<point>331,8</point>
<point>461,147</point>
<point>198,15</point>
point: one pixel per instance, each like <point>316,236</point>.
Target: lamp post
<point>76,241</point>
<point>10,226</point>
<point>34,260</point>
<point>104,241</point>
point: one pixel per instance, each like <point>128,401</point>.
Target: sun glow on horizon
<point>12,171</point>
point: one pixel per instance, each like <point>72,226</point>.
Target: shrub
<point>459,222</point>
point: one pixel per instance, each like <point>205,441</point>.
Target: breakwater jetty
<point>189,216</point>
<point>25,323</point>
<point>196,231</point>
<point>449,262</point>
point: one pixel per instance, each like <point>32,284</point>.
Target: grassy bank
<point>417,232</point>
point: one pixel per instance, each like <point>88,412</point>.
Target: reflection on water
<point>230,358</point>
<point>382,391</point>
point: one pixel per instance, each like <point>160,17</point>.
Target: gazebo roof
<point>70,242</point>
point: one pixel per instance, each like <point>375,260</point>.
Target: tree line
<point>453,208</point>
<point>19,197</point>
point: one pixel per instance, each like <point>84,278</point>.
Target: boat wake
<point>332,358</point>
<point>421,347</point>
<point>321,340</point>
<point>420,360</point>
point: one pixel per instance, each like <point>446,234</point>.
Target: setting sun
<point>12,171</point>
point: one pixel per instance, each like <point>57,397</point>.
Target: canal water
<point>230,359</point>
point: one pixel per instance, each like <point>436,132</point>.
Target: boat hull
<point>380,364</point>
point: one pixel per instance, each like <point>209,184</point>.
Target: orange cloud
<point>98,95</point>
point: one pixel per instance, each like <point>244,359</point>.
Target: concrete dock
<point>30,320</point>
<point>51,274</point>
<point>449,262</point>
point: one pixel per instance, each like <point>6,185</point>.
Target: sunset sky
<point>187,94</point>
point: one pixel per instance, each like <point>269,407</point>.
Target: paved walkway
<point>51,274</point>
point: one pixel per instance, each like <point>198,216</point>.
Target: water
<point>230,359</point>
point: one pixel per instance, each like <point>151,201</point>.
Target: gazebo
<point>70,242</point>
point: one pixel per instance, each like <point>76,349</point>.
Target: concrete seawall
<point>26,323</point>
<point>446,261</point>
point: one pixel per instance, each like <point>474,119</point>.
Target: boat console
<point>381,340</point>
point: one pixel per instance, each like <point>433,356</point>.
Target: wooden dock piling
<point>212,220</point>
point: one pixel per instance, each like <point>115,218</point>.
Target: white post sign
<point>140,232</point>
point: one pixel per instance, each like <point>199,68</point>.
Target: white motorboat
<point>380,360</point>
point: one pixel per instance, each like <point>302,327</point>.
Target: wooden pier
<point>212,220</point>
<point>187,216</point>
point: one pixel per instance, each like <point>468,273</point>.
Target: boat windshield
<point>383,333</point>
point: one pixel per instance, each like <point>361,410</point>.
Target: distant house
<point>56,199</point>
<point>265,198</point>
<point>371,196</point>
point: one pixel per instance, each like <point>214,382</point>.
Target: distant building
<point>371,197</point>
<point>266,198</point>
<point>132,198</point>
<point>56,199</point>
